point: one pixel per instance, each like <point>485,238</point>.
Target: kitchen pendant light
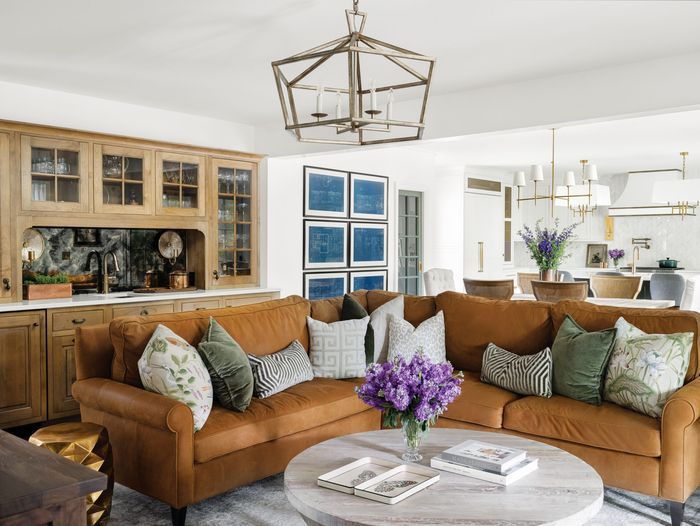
<point>380,90</point>
<point>683,195</point>
<point>585,198</point>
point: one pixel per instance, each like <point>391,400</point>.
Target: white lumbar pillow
<point>172,367</point>
<point>428,338</point>
<point>337,350</point>
<point>379,320</point>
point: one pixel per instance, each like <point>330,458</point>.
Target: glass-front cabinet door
<point>180,184</point>
<point>6,283</point>
<point>236,223</point>
<point>123,180</point>
<point>54,175</point>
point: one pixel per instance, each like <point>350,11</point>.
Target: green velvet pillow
<point>580,359</point>
<point>353,310</point>
<point>229,368</point>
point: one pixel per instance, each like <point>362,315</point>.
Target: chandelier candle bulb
<point>338,105</point>
<point>390,104</point>
<point>319,99</point>
<point>373,97</point>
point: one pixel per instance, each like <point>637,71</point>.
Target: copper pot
<point>151,279</point>
<point>179,279</point>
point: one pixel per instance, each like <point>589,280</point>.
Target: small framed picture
<point>325,244</point>
<point>86,237</point>
<point>368,244</point>
<point>596,255</point>
<point>325,193</point>
<point>369,195</point>
<point>322,285</point>
<point>368,280</point>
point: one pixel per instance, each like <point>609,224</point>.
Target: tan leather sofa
<point>157,453</point>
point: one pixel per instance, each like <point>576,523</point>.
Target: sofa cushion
<point>299,408</point>
<point>330,310</point>
<point>606,426</point>
<point>353,310</point>
<point>653,321</point>
<point>281,321</point>
<point>471,323</point>
<point>527,375</point>
<point>416,309</point>
<point>278,371</point>
<point>479,403</point>
<point>428,338</point>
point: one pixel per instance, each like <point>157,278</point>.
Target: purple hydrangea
<point>417,389</point>
<point>547,246</point>
<point>616,254</point>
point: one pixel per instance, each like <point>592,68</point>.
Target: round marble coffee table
<point>564,491</point>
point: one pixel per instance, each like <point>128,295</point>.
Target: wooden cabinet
<point>237,301</point>
<point>143,309</point>
<point>234,227</point>
<point>201,304</point>
<point>54,175</point>
<point>22,368</point>
<point>180,184</point>
<point>123,180</point>
<point>5,218</point>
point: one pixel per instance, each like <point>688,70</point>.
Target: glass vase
<point>412,437</point>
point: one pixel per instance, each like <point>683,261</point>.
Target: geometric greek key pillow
<point>530,374</point>
<point>646,369</point>
<point>337,350</point>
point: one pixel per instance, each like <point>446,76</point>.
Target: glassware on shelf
<point>243,182</point>
<point>189,174</point>
<point>111,166</point>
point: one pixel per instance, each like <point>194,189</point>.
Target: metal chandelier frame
<point>359,120</point>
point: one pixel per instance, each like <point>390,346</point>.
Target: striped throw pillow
<point>527,375</point>
<point>279,371</point>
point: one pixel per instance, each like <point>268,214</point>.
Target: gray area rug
<point>264,504</point>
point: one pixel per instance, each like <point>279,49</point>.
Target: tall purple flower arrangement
<point>547,246</point>
<point>616,254</point>
<point>417,390</point>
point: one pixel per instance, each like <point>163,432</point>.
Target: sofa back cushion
<point>416,309</point>
<point>653,321</point>
<point>260,329</point>
<point>471,323</point>
<point>330,310</point>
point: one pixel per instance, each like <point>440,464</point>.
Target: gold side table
<point>87,444</point>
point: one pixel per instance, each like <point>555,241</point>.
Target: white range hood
<point>636,198</point>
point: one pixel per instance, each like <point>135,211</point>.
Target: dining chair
<point>609,273</point>
<point>524,281</point>
<point>666,286</point>
<point>437,280</point>
<point>497,289</point>
<point>565,276</point>
<point>607,286</point>
<point>553,291</point>
<point>691,294</point>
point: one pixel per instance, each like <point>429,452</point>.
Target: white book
<point>482,455</point>
<point>504,479</point>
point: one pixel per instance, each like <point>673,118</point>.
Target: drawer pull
<point>144,312</point>
<point>6,283</point>
<point>78,321</point>
<point>201,308</point>
<point>35,324</point>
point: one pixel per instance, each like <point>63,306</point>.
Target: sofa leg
<point>178,516</point>
<point>676,509</point>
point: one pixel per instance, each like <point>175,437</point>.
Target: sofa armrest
<point>132,403</point>
<point>680,443</point>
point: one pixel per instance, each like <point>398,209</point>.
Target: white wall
<point>407,170</point>
<point>57,108</point>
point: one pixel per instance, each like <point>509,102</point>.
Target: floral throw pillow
<point>646,369</point>
<point>172,367</point>
<point>428,338</point>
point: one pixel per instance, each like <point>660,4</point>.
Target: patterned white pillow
<point>646,369</point>
<point>281,370</point>
<point>530,374</point>
<point>428,337</point>
<point>172,367</point>
<point>337,350</point>
<point>379,319</point>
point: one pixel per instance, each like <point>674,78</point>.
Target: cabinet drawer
<point>143,309</point>
<point>246,300</point>
<point>70,320</point>
<point>187,306</point>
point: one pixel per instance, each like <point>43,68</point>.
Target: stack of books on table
<point>489,462</point>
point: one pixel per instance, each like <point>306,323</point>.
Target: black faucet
<point>88,267</point>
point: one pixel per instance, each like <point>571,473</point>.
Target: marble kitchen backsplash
<point>136,251</point>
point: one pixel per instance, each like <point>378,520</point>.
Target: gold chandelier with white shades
<point>354,90</point>
<point>581,199</point>
<point>682,195</point>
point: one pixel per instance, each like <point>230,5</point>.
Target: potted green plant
<point>44,287</point>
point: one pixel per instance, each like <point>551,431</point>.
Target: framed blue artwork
<point>368,280</point>
<point>368,244</point>
<point>325,193</point>
<point>325,244</point>
<point>322,285</point>
<point>369,195</point>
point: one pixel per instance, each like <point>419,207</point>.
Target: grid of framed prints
<point>345,232</point>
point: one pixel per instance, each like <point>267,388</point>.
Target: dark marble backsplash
<point>136,251</point>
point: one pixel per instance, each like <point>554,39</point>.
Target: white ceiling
<point>213,58</point>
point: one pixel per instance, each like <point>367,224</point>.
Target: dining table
<point>612,302</point>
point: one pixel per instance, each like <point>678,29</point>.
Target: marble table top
<point>564,491</point>
<point>612,302</point>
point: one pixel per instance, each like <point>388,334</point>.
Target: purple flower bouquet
<point>410,393</point>
<point>616,254</point>
<point>547,246</point>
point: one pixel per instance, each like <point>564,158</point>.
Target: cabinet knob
<point>216,275</point>
<point>201,308</point>
<point>6,283</point>
<point>78,321</point>
<point>144,312</point>
<point>35,324</point>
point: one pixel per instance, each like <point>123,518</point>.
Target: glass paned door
<point>180,179</point>
<point>123,182</point>
<point>236,222</point>
<point>410,242</point>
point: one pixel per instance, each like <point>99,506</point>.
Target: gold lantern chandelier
<point>349,69</point>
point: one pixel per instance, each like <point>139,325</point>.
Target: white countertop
<point>86,300</point>
<point>612,302</point>
<point>587,272</point>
